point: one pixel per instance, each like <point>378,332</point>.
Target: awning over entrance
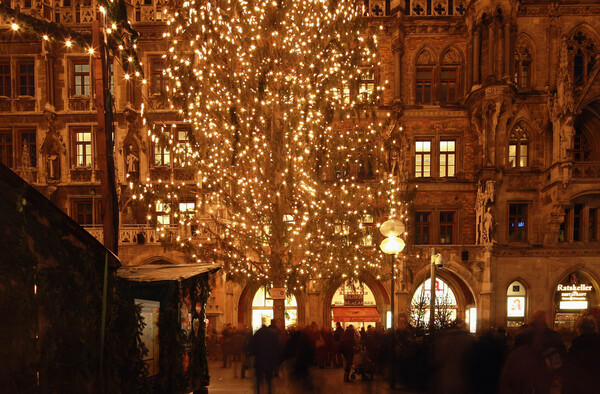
<point>356,315</point>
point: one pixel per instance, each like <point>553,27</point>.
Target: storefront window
<point>515,304</point>
<point>262,309</point>
<point>354,303</point>
<point>445,304</point>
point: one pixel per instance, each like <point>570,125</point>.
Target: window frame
<point>95,213</point>
<point>420,85</point>
<point>6,79</point>
<point>75,131</point>
<point>367,88</point>
<point>421,173</point>
<point>154,74</point>
<point>447,154</point>
<point>518,139</point>
<point>75,75</point>
<point>444,81</point>
<point>162,152</point>
<point>422,228</point>
<point>30,77</point>
<point>513,219</point>
<point>447,224</point>
<point>7,147</point>
<point>31,146</point>
<point>179,142</point>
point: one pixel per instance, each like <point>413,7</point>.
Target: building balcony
<point>141,234</point>
<point>19,104</point>
<point>587,169</point>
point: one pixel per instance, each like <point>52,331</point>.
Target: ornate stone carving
<point>80,103</point>
<point>24,104</point>
<point>425,57</point>
<point>81,175</point>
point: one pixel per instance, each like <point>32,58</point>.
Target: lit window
<point>183,146</point>
<point>83,148</point>
<point>162,154</point>
<point>163,213</point>
<point>447,158</point>
<point>518,148</point>
<point>366,85</point>
<point>422,159</point>
<point>81,79</point>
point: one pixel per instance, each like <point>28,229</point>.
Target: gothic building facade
<point>496,108</point>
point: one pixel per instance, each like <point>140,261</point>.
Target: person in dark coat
<point>265,348</point>
<point>536,360</point>
<point>347,350</point>
<point>583,360</point>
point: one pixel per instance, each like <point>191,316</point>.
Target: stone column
<point>507,57</point>
<point>469,61</point>
<point>476,55</point>
<point>397,50</point>
<point>491,46</point>
<point>500,71</point>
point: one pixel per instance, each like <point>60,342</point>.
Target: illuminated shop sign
<point>516,307</point>
<point>573,297</point>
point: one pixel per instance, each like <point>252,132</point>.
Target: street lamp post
<point>392,245</point>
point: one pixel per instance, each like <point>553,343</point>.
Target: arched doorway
<point>453,301</point>
<point>262,309</point>
<point>354,303</point>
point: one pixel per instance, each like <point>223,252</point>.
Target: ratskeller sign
<point>573,297</point>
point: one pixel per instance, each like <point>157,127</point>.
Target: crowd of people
<point>533,359</point>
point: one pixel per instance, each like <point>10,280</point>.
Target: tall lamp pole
<point>392,245</point>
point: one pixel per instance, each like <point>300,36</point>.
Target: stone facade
<point>498,107</point>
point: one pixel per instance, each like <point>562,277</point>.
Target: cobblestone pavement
<point>325,381</point>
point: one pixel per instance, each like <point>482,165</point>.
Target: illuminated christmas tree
<point>284,140</point>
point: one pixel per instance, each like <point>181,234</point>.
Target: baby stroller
<point>363,365</point>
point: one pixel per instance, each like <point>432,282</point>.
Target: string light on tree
<point>280,140</point>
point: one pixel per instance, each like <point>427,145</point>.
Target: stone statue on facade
<point>561,106</point>
<point>484,220</point>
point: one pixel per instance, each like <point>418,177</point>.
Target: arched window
<point>516,302</point>
<point>424,77</point>
<point>518,148</point>
<point>449,77</point>
<point>523,68</point>
<point>446,307</point>
<point>262,309</point>
<point>581,147</point>
<point>581,48</point>
<point>354,303</point>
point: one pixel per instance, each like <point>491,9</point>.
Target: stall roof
<point>157,273</point>
<point>13,186</point>
<point>363,314</point>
